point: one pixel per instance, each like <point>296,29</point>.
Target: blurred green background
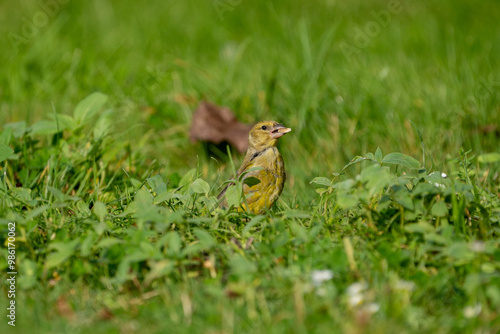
<point>347,77</point>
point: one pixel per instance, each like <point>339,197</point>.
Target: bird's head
<point>265,134</point>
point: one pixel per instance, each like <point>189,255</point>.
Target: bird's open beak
<point>279,130</point>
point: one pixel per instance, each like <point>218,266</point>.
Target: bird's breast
<point>271,176</point>
<point>270,160</point>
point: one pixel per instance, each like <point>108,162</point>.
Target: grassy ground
<point>117,229</point>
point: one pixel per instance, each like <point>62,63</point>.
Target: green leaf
<point>166,196</point>
<point>6,136</point>
<point>299,230</point>
<point>157,184</point>
<point>248,171</point>
<point>402,160</point>
<point>55,259</point>
<point>23,194</point>
<point>439,239</point>
<point>63,251</point>
<point>459,250</point>
<point>187,178</point>
<point>192,249</point>
<point>425,188</point>
<point>376,177</point>
<point>251,181</point>
<point>104,124</point>
<point>174,242</point>
<point>489,158</point>
<point>159,269</point>
<point>59,196</point>
<point>344,185</point>
<point>145,210</point>
<point>241,266</point>
<point>233,195</point>
<point>493,294</point>
<point>439,209</point>
<point>420,227</point>
<point>200,186</point>
<point>108,242</point>
<point>5,152</point>
<point>83,208</point>
<point>29,277</point>
<point>138,255</point>
<point>88,107</point>
<point>18,128</point>
<point>322,181</point>
<point>100,210</point>
<point>34,213</point>
<point>370,156</point>
<point>45,128</point>
<point>346,201</point>
<point>355,160</point>
<point>63,122</point>
<point>143,199</point>
<point>404,199</point>
<point>291,213</point>
<point>378,155</point>
<point>437,180</point>
<point>254,221</point>
<point>135,183</point>
<point>87,243</point>
<point>64,246</point>
<point>205,238</point>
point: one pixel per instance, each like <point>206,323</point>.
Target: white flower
<point>405,285</point>
<point>355,293</point>
<point>355,300</point>
<point>477,246</point>
<point>320,276</point>
<point>320,291</point>
<point>372,307</point>
<point>472,311</point>
<point>444,176</point>
<point>356,288</point>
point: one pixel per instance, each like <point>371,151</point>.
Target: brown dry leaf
<point>214,124</point>
<point>232,294</point>
<point>489,128</point>
<point>105,314</point>
<point>236,242</point>
<point>64,308</point>
<point>149,110</point>
<point>249,243</point>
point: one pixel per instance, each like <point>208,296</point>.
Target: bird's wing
<point>244,166</point>
<point>247,163</point>
<point>264,193</point>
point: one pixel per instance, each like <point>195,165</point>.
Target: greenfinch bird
<point>262,152</point>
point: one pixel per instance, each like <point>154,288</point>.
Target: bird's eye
<point>264,127</point>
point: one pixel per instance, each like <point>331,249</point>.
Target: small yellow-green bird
<point>262,152</point>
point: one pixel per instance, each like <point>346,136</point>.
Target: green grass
<point>116,218</point>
